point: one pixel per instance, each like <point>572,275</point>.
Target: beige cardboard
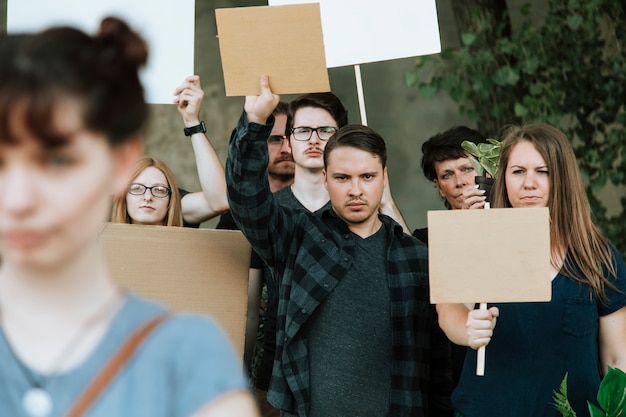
<point>284,42</point>
<point>199,270</point>
<point>496,255</point>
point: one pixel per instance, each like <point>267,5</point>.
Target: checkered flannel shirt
<point>309,254</point>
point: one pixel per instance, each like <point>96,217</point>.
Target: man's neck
<point>367,228</point>
<point>308,188</point>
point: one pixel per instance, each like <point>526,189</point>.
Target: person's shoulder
<point>195,325</point>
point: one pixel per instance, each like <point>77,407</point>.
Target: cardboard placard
<point>199,270</point>
<point>496,255</point>
<point>360,31</point>
<point>168,28</point>
<point>284,42</point>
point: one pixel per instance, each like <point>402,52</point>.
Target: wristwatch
<point>195,129</point>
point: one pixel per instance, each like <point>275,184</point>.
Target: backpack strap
<point>117,362</point>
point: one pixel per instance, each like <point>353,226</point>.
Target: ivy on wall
<point>569,71</point>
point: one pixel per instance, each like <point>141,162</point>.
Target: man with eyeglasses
<point>312,119</point>
<point>357,335</point>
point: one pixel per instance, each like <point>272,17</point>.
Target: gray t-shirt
<point>349,339</point>
<point>184,364</point>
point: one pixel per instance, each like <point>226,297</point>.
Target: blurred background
<point>396,111</point>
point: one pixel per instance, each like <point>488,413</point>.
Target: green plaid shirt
<point>309,254</point>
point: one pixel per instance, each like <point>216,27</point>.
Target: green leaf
<point>468,38</point>
<point>612,392</point>
<point>427,91</point>
<point>470,147</point>
<point>561,403</point>
<point>530,65</point>
<point>574,22</point>
<point>477,166</point>
<point>485,147</point>
<point>505,76</point>
<point>489,166</point>
<point>595,411</point>
<point>535,89</point>
<point>410,78</point>
<point>520,110</point>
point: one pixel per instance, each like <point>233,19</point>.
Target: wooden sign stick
<point>480,354</point>
<point>359,90</point>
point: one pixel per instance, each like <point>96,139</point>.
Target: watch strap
<point>195,129</point>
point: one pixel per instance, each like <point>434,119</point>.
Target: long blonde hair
<point>573,234</point>
<point>174,216</point>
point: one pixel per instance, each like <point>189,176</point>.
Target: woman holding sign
<point>581,332</point>
<point>72,343</point>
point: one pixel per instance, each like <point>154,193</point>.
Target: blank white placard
<point>168,27</point>
<point>360,31</point>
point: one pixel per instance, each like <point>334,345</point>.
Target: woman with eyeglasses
<point>152,195</point>
<point>71,342</point>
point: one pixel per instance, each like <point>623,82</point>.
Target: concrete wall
<point>404,119</point>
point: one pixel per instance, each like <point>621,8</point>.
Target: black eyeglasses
<point>158,191</point>
<point>276,139</point>
<point>304,133</point>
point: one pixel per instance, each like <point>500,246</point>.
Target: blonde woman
<point>152,196</point>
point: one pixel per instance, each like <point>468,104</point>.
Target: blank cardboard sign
<point>284,42</point>
<point>496,255</point>
<point>199,270</point>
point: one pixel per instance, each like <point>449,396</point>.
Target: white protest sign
<point>360,31</point>
<point>168,27</point>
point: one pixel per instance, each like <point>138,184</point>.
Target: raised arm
<point>252,205</point>
<point>211,201</point>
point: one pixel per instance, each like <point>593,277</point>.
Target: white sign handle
<point>359,90</point>
<point>480,354</point>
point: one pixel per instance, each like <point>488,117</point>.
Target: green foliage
<point>568,70</point>
<point>611,397</point>
<point>485,157</point>
<point>561,402</point>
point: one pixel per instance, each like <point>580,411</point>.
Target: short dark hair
<point>447,145</point>
<point>325,101</point>
<point>358,137</point>
<point>281,108</point>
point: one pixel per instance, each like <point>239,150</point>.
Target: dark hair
<point>63,64</point>
<point>325,101</point>
<point>358,137</point>
<point>447,145</point>
<point>281,108</point>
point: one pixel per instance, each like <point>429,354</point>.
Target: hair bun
<point>114,31</point>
